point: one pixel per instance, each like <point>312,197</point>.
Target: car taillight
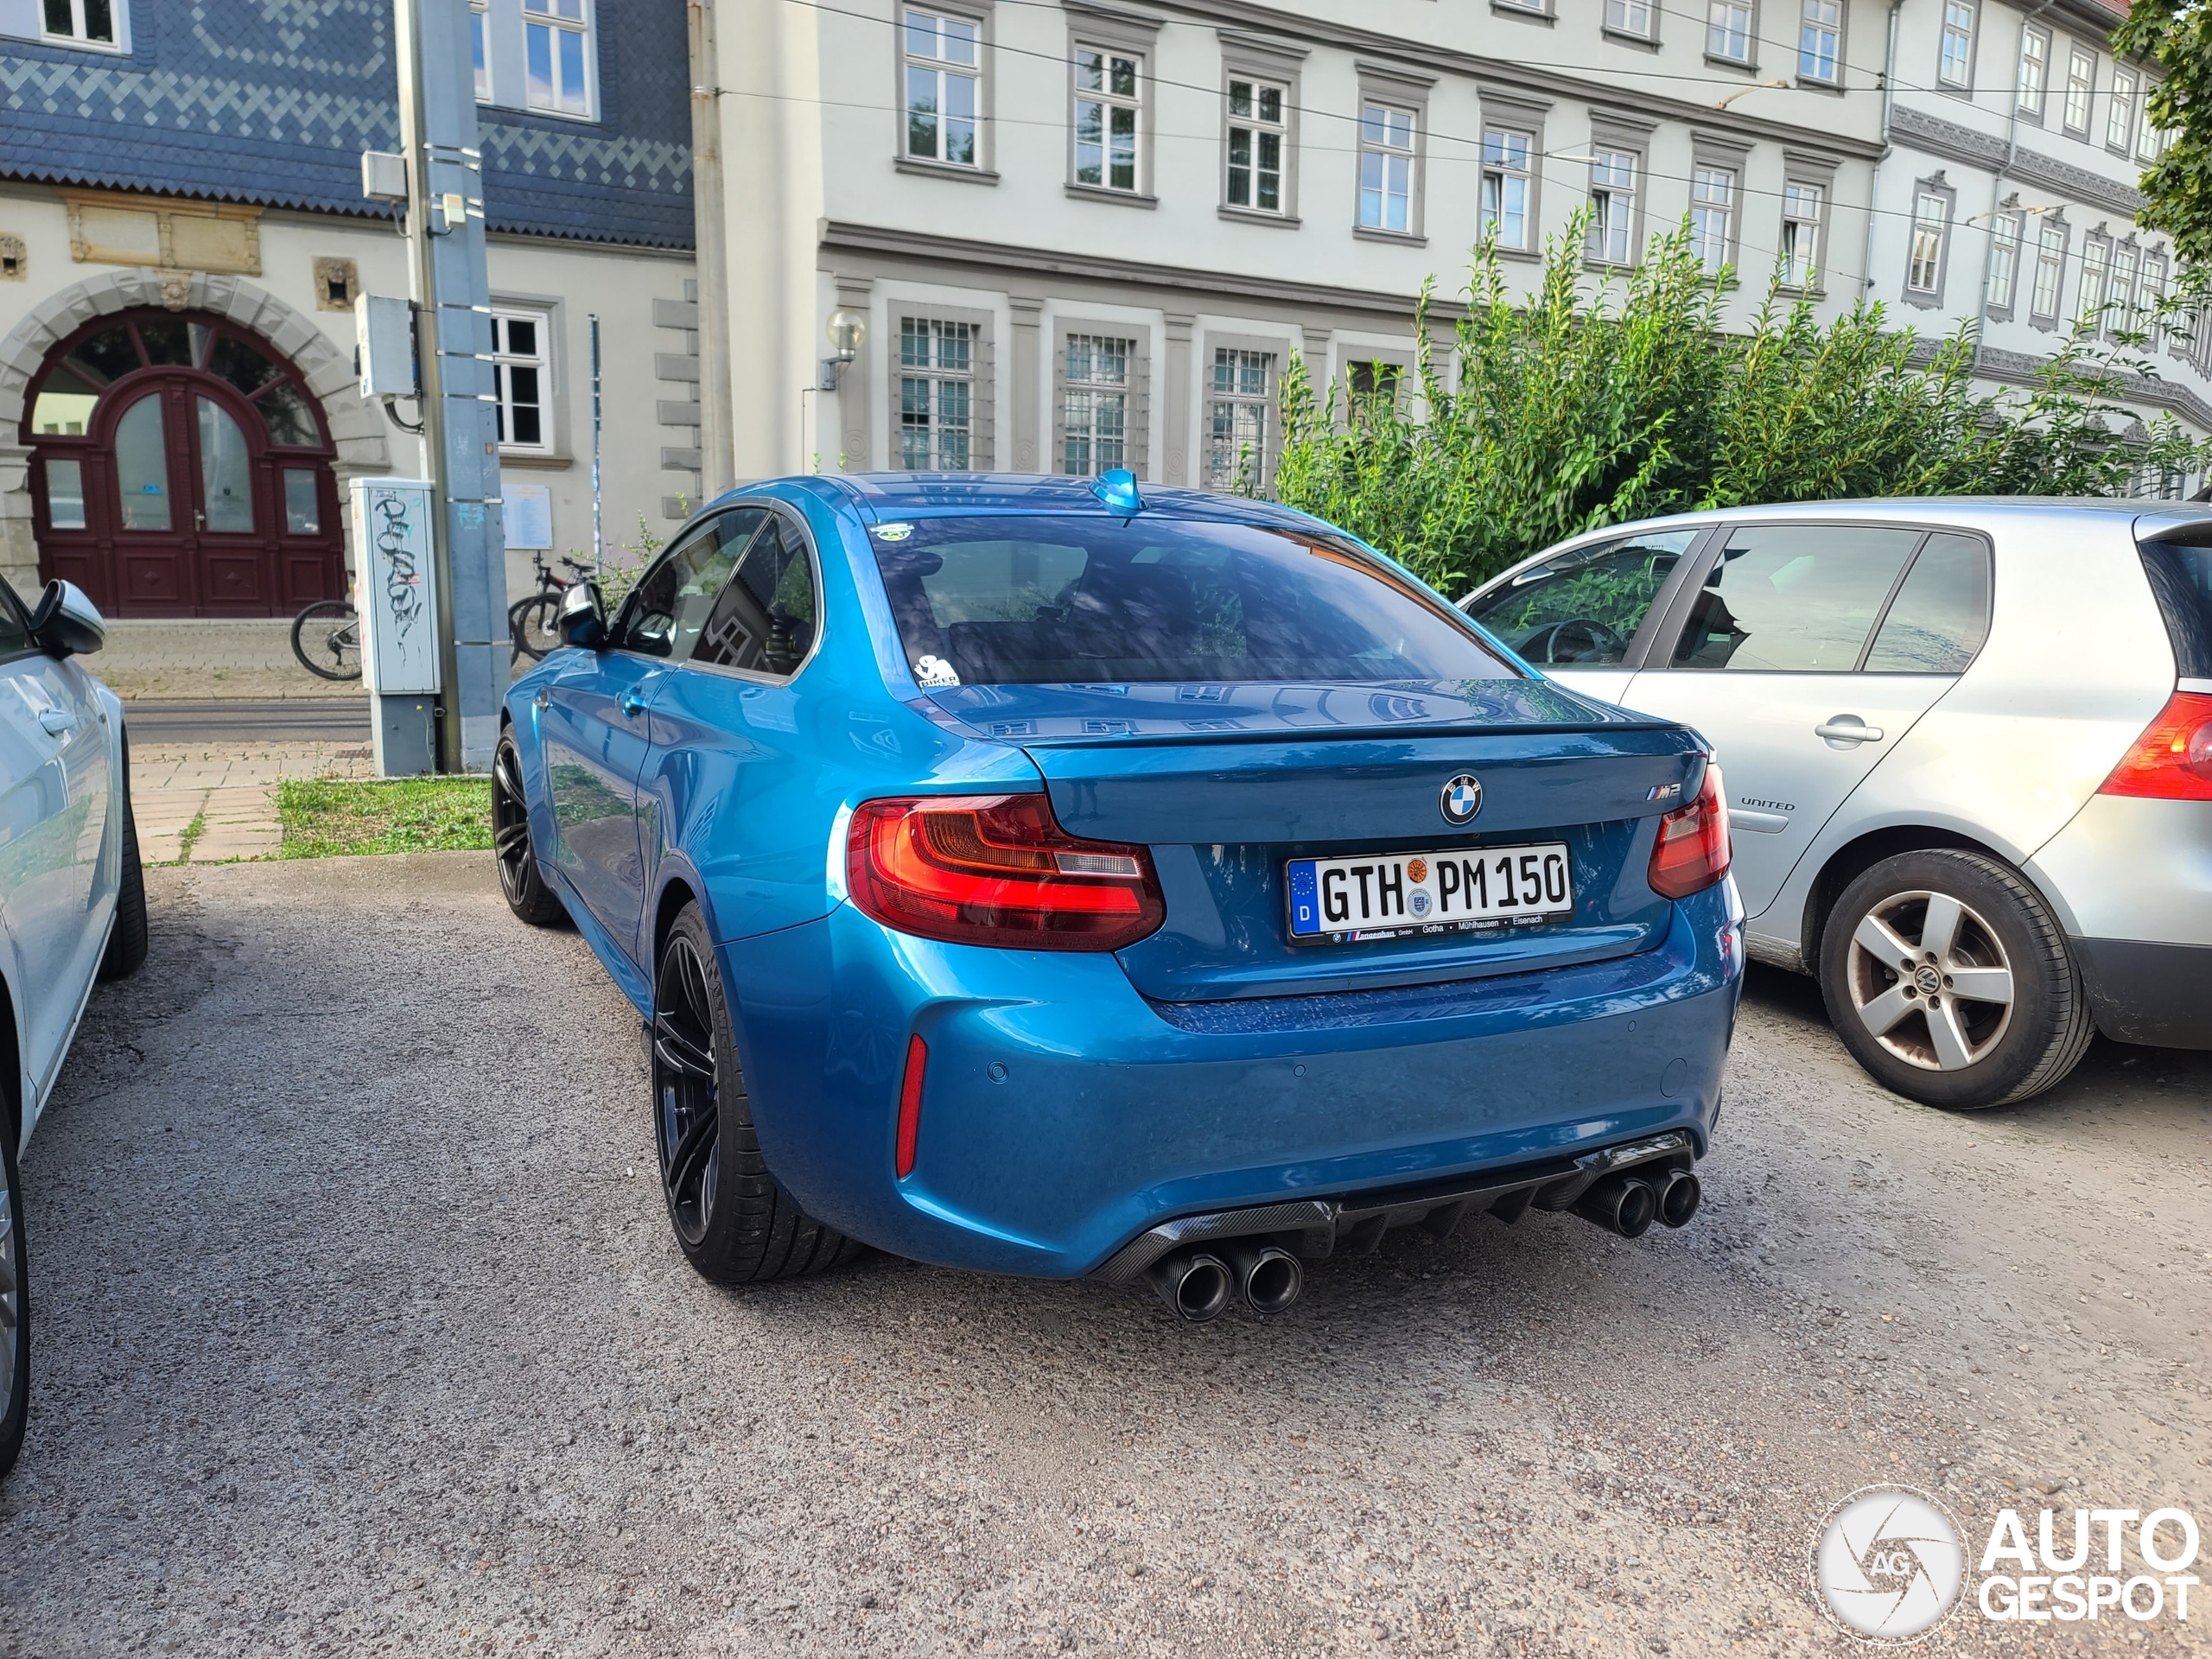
<point>1692,851</point>
<point>997,869</point>
<point>2172,761</point>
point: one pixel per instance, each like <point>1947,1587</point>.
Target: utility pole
<point>452,295</point>
<point>717,467</point>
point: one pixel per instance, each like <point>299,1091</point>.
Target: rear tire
<point>126,942</point>
<point>15,1308</point>
<point>527,893</point>
<point>534,624</point>
<point>733,1220</point>
<point>1906,945</point>
<point>327,639</point>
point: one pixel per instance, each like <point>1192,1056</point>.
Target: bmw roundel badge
<point>1463,799</point>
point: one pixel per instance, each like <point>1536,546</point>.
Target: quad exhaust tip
<point>1628,1203</point>
<point>1199,1285</point>
<point>1679,1198</point>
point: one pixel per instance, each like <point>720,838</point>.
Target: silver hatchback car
<point>1967,750</point>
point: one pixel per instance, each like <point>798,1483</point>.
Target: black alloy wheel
<point>520,879</point>
<point>733,1219</point>
<point>686,1116</point>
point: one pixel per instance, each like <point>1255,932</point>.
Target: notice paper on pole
<point>397,583</point>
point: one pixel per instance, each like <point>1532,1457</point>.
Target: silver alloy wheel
<point>11,1298</point>
<point>1929,979</point>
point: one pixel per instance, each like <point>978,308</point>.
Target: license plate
<point>1388,895</point>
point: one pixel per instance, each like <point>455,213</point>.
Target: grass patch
<point>332,817</point>
<point>193,831</point>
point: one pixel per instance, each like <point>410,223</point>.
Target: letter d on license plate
<point>1382,895</point>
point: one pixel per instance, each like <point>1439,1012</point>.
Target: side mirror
<point>583,617</point>
<point>67,623</point>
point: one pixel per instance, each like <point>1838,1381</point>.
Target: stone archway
<point>356,427</point>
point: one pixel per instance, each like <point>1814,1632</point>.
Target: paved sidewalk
<point>227,790</point>
<point>194,657</point>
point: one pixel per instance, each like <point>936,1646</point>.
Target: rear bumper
<point>1063,1114</point>
<point>2148,993</point>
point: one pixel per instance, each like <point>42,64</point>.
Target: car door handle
<point>543,701</point>
<point>57,721</point>
<point>1847,728</point>
<point>634,703</point>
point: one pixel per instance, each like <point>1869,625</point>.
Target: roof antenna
<point>1118,490</point>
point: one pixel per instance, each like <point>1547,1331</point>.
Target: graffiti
<point>403,582</point>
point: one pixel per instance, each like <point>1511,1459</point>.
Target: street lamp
<point>847,329</point>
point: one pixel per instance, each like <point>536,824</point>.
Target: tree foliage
<point>1593,402</point>
<point>2176,35</point>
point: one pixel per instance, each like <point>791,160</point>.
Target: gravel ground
<point>360,1330</point>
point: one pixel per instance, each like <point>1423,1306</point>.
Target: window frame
<point>2155,271</point>
<point>1277,349</point>
<point>2047,321</point>
<point>980,375</point>
<point>2076,51</point>
<point>2016,221</point>
<point>980,17</point>
<point>2127,101</point>
<point>1396,93</point>
<point>587,28</point>
<point>1799,175</point>
<point>1832,81</point>
<point>1603,142</point>
<point>2028,108</point>
<point>1528,174</point>
<point>1936,189</point>
<point>1234,71</point>
<point>119,18</point>
<point>1707,157</point>
<point>506,60</point>
<point>1750,11</point>
<point>2123,309</point>
<point>1624,30</point>
<point>1118,35</point>
<point>1946,32</point>
<point>543,314</point>
<point>1136,389</point>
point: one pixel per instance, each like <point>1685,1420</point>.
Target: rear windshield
<point>2182,579</point>
<point>1013,601</point>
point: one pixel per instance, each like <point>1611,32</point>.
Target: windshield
<point>1583,607</point>
<point>1020,601</point>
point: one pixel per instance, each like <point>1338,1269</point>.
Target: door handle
<point>199,519</point>
<point>634,703</point>
<point>1848,728</point>
<point>543,701</point>
<point>57,721</point>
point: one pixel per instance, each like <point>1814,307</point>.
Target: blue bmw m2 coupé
<point>1040,876</point>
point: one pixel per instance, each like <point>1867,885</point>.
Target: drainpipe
<point>717,467</point>
<point>1874,178</point>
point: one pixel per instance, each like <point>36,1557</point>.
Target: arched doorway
<point>179,467</point>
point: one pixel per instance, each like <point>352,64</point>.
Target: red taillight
<point>997,869</point>
<point>1692,851</point>
<point>2172,761</point>
<point>910,1104</point>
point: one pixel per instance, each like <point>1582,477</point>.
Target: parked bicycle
<point>534,622</point>
<point>327,639</point>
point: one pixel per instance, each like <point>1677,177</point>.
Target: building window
<point>521,380</point>
<point>1095,403</point>
<point>2122,316</point>
<point>1728,30</point>
<point>943,63</point>
<point>1713,208</point>
<point>936,394</point>
<point>556,41</point>
<point>1801,234</point>
<point>2034,70</point>
<point>1613,206</point>
<point>2080,88</point>
<point>2150,142</point>
<point>2004,260</point>
<point>1372,385</point>
<point>1630,17</point>
<point>1237,405</point>
<point>479,48</point>
<point>1954,64</point>
<point>1924,271</point>
<point>1106,110</point>
<point>1255,145</point>
<point>1820,39</point>
<point>1386,167</point>
<point>2154,297</point>
<point>2051,270</point>
<point>2120,116</point>
<point>83,22</point>
<point>2096,263</point>
<point>1505,186</point>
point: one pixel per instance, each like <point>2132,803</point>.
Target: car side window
<point>14,627</point>
<point>1794,599</point>
<point>1941,614</point>
<point>766,617</point>
<point>667,613</point>
<point>1585,607</point>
